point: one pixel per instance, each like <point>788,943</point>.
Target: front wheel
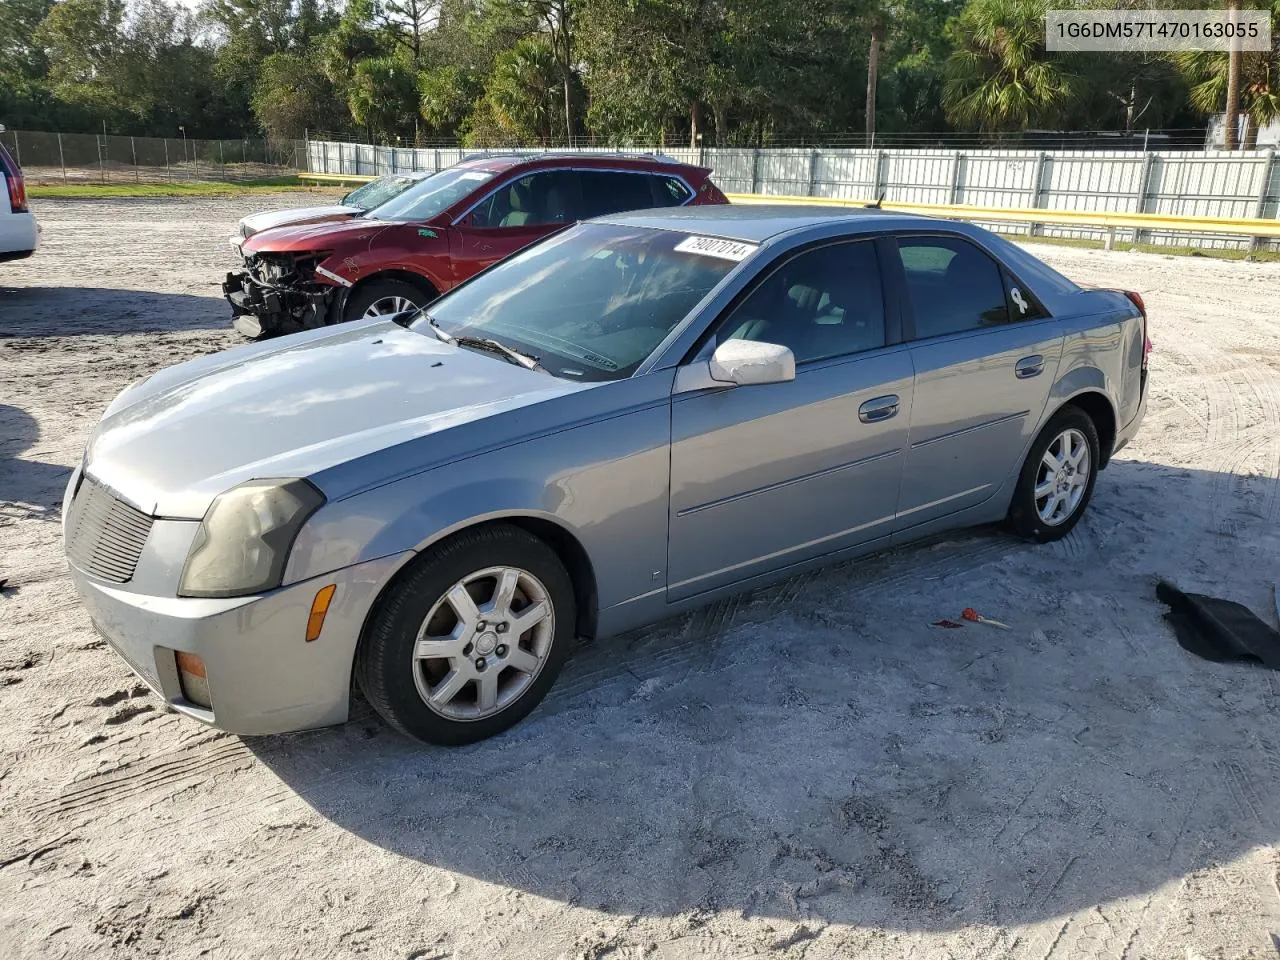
<point>384,298</point>
<point>471,639</point>
<point>1057,479</point>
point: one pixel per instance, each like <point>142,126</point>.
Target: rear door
<point>513,215</point>
<point>768,475</point>
<point>985,354</point>
<point>614,191</point>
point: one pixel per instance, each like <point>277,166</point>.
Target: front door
<point>768,475</point>
<point>985,357</point>
<point>511,217</point>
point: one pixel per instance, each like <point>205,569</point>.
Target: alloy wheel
<point>387,307</point>
<point>1062,477</point>
<point>483,643</point>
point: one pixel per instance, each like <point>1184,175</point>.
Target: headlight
<point>245,537</point>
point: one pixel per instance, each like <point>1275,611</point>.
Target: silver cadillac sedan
<point>637,415</point>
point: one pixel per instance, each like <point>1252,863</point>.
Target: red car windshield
<point>432,196</point>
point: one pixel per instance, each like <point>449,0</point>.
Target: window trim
<point>1002,270</point>
<point>889,295</point>
<point>457,221</point>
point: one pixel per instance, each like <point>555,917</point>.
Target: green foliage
<point>999,76</point>
<point>292,96</point>
<point>734,72</point>
<point>383,97</point>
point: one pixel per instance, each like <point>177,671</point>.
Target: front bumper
<point>277,310</point>
<point>264,677</point>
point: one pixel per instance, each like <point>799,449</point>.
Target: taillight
<point>1138,302</point>
<point>17,192</point>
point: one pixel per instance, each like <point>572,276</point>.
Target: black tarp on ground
<point>1219,630</point>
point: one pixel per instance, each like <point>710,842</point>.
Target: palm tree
<point>999,77</point>
<point>1257,90</point>
<point>1233,83</point>
<point>873,70</point>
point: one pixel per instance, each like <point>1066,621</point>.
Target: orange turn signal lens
<point>193,679</point>
<point>190,663</point>
<point>319,607</point>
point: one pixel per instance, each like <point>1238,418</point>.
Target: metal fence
<point>73,158</point>
<point>1174,183</point>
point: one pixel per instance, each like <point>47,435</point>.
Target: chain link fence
<point>79,158</point>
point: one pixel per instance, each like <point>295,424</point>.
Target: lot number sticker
<point>715,247</point>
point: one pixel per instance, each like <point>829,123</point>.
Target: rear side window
<point>952,286</point>
<point>1022,306</point>
<point>605,192</point>
<point>822,303</point>
<point>670,192</point>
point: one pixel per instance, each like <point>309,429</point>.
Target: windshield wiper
<point>486,343</point>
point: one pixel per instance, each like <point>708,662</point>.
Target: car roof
<point>756,223</point>
<point>801,223</point>
<point>497,163</point>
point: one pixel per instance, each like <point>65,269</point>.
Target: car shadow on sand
<point>29,489</point>
<point>41,311</point>
<point>819,749</point>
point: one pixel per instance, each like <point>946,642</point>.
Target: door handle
<point>1029,367</point>
<point>881,408</point>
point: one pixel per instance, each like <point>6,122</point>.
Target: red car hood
<point>305,237</point>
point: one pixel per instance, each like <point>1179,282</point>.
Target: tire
<point>1029,516</point>
<point>459,664</point>
<point>382,297</point>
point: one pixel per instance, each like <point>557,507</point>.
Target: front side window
<point>822,303</point>
<point>952,285</point>
<point>592,302</point>
<point>433,196</point>
<point>534,200</point>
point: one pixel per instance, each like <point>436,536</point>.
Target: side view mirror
<point>746,362</point>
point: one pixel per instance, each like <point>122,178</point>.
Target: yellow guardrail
<point>334,179</point>
<point>1098,219</point>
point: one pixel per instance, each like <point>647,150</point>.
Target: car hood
<point>308,237</point>
<point>301,215</point>
<point>302,405</point>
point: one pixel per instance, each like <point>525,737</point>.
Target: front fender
<point>605,482</point>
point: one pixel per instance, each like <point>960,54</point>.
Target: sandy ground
<point>809,771</point>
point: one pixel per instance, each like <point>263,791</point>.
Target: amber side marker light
<point>319,608</point>
<point>193,678</point>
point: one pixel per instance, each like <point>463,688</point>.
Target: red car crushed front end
<point>402,255</point>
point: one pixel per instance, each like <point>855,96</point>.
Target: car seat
<point>555,207</point>
<point>518,201</point>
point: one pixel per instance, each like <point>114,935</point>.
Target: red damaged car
<point>406,252</point>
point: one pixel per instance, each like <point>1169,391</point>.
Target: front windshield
<point>591,303</point>
<point>378,191</point>
<point>433,195</point>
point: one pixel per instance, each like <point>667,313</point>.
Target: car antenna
<point>879,200</point>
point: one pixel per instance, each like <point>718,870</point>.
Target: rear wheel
<point>384,298</point>
<point>471,639</point>
<point>1057,480</point>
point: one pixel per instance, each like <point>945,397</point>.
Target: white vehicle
<point>19,232</point>
<point>352,205</point>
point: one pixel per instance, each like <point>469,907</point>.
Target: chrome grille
<point>105,535</point>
